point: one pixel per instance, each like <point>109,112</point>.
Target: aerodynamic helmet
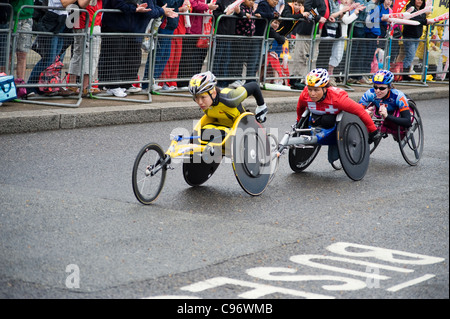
<point>318,78</point>
<point>202,83</point>
<point>383,77</point>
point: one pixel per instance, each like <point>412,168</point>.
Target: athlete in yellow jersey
<point>223,106</point>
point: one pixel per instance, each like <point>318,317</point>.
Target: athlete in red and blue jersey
<point>385,101</point>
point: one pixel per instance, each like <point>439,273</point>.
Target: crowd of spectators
<point>118,58</point>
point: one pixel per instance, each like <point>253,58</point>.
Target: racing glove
<point>260,113</point>
<point>374,136</point>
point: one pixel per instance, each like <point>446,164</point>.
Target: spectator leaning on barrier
<point>332,31</point>
<point>358,44</point>
<point>250,49</point>
<point>193,56</point>
<point>304,30</point>
<point>373,31</point>
<point>412,34</point>
<point>294,10</point>
<point>120,57</point>
<point>224,52</point>
<point>172,66</point>
<point>167,28</point>
<point>81,45</point>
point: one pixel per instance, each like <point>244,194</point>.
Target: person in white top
<point>348,12</point>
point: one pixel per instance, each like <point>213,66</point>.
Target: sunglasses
<point>381,88</point>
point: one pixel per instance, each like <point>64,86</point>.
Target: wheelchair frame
<point>410,144</point>
<point>304,143</point>
<point>152,163</point>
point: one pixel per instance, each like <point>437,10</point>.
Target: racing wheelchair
<point>349,133</point>
<point>410,140</point>
<point>251,149</point>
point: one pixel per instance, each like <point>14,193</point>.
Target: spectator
<point>49,47</point>
<point>274,67</point>
<point>294,10</point>
<point>5,16</point>
<point>163,46</point>
<point>81,45</point>
<point>358,44</point>
<point>120,57</point>
<point>24,41</point>
<point>412,34</point>
<point>331,32</point>
<point>250,48</point>
<point>173,64</point>
<point>280,6</point>
<point>373,31</point>
<point>304,30</point>
<point>337,50</point>
<point>224,56</point>
<point>193,56</point>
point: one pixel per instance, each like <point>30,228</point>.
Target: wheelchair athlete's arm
<point>404,118</point>
<point>253,89</point>
<point>344,103</point>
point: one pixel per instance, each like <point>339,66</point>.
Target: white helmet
<point>202,83</point>
<point>318,78</point>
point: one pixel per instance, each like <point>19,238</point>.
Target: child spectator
<point>294,10</point>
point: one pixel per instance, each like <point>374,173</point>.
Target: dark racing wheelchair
<point>349,134</point>
<point>253,154</point>
<point>410,139</point>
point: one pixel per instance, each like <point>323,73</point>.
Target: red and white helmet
<point>318,78</point>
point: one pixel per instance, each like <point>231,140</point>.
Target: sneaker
<point>185,88</point>
<point>333,82</point>
<point>237,84</point>
<point>365,80</point>
<point>156,87</point>
<point>134,89</point>
<point>352,81</point>
<point>119,92</point>
<point>168,88</point>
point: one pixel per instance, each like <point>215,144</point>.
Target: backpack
<point>51,75</point>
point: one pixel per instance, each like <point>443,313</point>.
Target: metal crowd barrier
<point>5,37</point>
<point>152,69</point>
<point>46,47</point>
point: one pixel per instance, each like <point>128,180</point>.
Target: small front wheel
<point>149,173</point>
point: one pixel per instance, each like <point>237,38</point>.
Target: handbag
<point>8,90</point>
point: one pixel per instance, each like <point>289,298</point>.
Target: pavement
<point>17,117</point>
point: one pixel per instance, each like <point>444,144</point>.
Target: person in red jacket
<point>325,102</point>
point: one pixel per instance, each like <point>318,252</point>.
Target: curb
<point>45,120</point>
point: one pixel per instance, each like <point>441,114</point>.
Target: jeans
<point>410,48</point>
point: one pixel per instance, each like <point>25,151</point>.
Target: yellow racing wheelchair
<point>251,149</point>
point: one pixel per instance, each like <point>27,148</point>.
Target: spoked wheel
<point>411,140</point>
<point>149,173</point>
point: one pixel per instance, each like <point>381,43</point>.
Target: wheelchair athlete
<point>386,101</point>
<point>223,106</point>
<point>325,102</point>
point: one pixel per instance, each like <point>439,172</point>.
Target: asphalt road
<point>70,226</point>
